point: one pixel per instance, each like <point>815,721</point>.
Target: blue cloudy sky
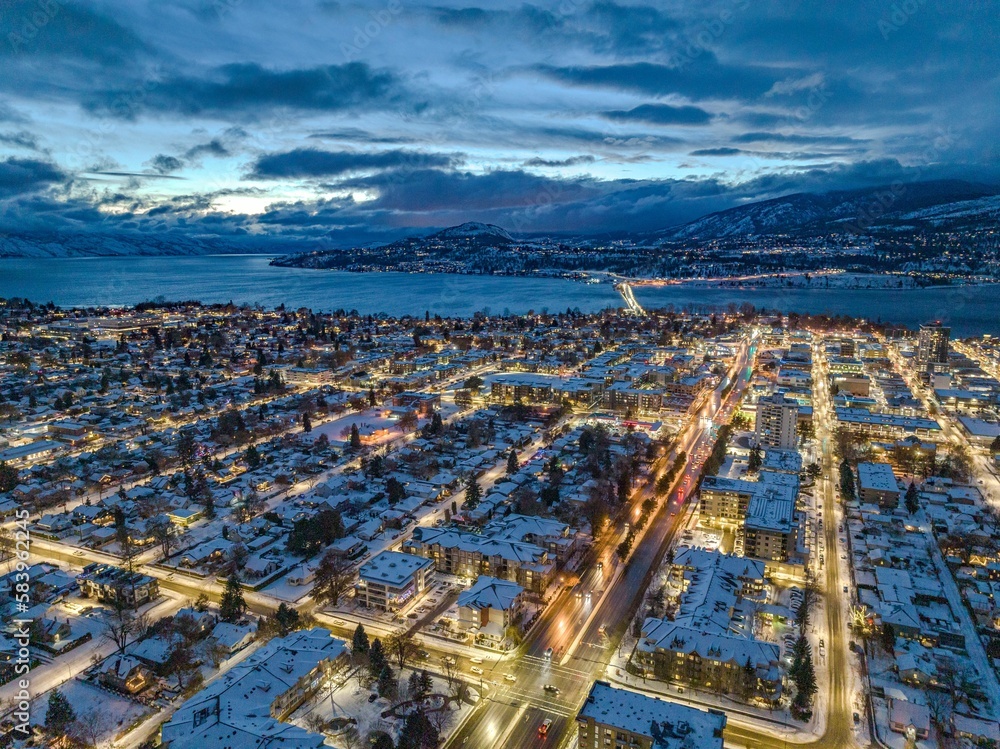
<point>343,122</point>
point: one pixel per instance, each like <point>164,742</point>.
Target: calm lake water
<point>970,310</point>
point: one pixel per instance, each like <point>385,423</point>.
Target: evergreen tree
<point>359,643</point>
<point>376,658</point>
<point>756,459</point>
<point>912,502</point>
<point>307,425</point>
<point>473,494</point>
<point>355,437</point>
<point>512,464</point>
<point>233,606</point>
<point>252,457</point>
<point>387,684</point>
<point>59,716</point>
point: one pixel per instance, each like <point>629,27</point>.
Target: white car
<point>477,659</point>
<point>476,670</point>
<point>510,677</point>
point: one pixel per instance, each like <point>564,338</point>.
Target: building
<point>777,418</point>
<point>721,663</point>
<point>107,583</point>
<point>488,608</point>
<point>472,555</point>
<point>245,706</point>
<point>389,580</point>
<point>619,718</point>
<point>124,673</point>
<point>932,346</point>
<point>877,485</point>
<point>762,512</point>
<point>523,388</point>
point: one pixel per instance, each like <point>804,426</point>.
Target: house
<point>909,718</point>
<point>124,673</point>
<point>232,637</point>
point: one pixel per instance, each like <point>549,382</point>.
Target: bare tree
<point>333,577</point>
<point>121,624</point>
<point>400,645</point>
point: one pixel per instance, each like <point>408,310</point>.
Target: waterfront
<point>970,310</point>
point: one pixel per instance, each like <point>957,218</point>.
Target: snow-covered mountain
<point>474,230</point>
<point>905,206</point>
<point>126,245</point>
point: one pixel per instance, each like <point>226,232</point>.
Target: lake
<point>971,310</point>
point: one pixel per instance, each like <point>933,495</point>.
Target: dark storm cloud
<point>716,152</point>
<point>360,136</point>
<point>20,139</point>
<point>762,137</point>
<point>213,148</point>
<point>312,162</point>
<point>247,88</point>
<point>165,164</point>
<point>661,114</point>
<point>708,78</point>
<point>571,161</point>
<point>27,175</point>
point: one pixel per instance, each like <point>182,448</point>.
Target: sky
<point>327,123</point>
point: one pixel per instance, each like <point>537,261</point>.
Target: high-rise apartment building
<point>777,418</point>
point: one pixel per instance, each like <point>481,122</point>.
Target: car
<point>857,718</point>
<point>476,670</point>
<point>589,594</point>
<point>510,677</point>
<point>846,590</point>
<point>372,697</point>
<point>477,659</point>
<point>449,660</point>
<point>579,594</point>
<point>551,688</point>
<point>423,655</point>
<point>548,652</point>
<point>543,729</point>
<point>821,643</point>
<point>600,566</point>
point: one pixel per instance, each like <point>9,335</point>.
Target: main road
<point>583,623</point>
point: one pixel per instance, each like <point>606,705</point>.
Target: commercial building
<point>390,579</point>
<point>619,718</point>
<point>932,346</point>
<point>777,418</point>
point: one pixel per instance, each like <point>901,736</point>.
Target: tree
<point>512,464</point>
<point>380,740</point>
<point>59,716</point>
<point>995,445</point>
<point>394,490</point>
<point>888,638</point>
<point>355,437</point>
<point>8,476</point>
<point>121,624</point>
<point>419,685</point>
<point>387,684</point>
<point>418,732</point>
<point>180,662</point>
<point>164,532</point>
<point>309,535</point>
<point>307,425</point>
<point>473,494</point>
<point>400,647</point>
<point>333,578</point>
<point>359,643</point>
<point>287,619</point>
<point>252,457</point>
<point>233,606</point>
<point>756,459</point>
<point>748,681</point>
<point>912,502</point>
<point>408,421</point>
<point>376,658</point>
<point>474,383</point>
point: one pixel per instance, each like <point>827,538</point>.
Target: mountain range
<point>941,205</point>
